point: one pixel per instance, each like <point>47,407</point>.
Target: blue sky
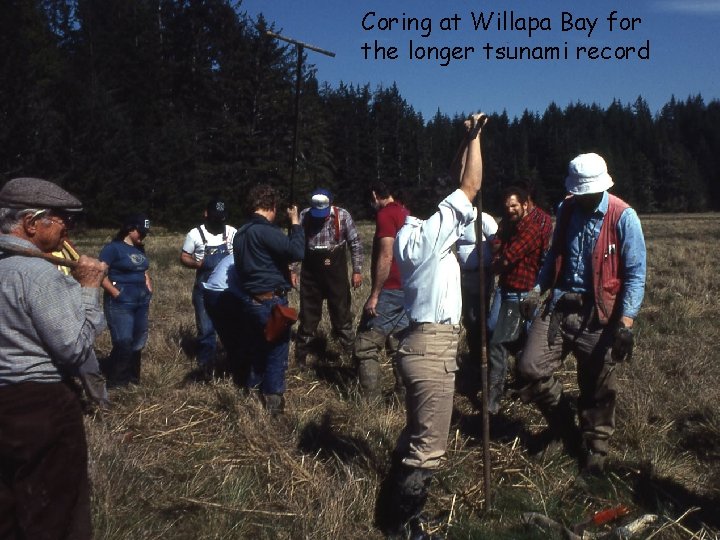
<point>683,37</point>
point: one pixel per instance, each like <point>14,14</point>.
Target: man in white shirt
<point>426,358</point>
<point>204,247</point>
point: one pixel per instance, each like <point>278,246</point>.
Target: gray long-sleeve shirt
<point>48,322</point>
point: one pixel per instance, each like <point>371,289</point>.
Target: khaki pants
<point>426,361</point>
<point>597,379</point>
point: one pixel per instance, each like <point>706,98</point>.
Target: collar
<point>260,219</point>
<point>602,208</point>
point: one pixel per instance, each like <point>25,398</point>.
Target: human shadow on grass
<point>329,366</point>
<point>665,496</point>
<point>344,377</point>
<point>502,427</point>
<point>325,440</point>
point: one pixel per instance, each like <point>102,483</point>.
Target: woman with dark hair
<point>128,290</point>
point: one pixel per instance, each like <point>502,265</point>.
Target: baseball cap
<point>139,222</point>
<point>216,210</point>
<point>320,202</point>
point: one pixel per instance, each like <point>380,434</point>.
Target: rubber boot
<point>594,463</point>
<point>369,376</point>
<point>121,368</point>
<point>495,395</point>
<point>274,404</point>
<point>562,431</point>
<point>135,362</point>
<point>366,351</point>
<point>409,495</point>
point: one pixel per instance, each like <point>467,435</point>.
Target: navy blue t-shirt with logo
<point>126,263</point>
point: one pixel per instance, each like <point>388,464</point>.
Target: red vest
<point>607,268</point>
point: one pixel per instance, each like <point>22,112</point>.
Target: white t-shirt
<point>195,246</point>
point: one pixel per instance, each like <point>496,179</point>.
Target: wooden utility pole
<point>299,48</point>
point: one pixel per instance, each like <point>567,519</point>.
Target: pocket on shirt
<point>612,286</point>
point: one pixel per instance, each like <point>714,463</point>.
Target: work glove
<point>622,347</point>
<point>529,304</point>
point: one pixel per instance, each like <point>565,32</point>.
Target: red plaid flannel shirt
<point>544,220</point>
<point>523,247</point>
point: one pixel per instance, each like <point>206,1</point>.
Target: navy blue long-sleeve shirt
<point>263,252</point>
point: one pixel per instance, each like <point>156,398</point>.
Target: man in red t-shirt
<point>383,314</point>
<point>521,242</point>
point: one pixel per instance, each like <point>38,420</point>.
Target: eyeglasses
<point>67,221</point>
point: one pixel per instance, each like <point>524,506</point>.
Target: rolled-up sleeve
<point>634,258</point>
<point>353,238</point>
<point>418,239</point>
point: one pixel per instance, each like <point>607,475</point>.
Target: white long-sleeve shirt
<point>428,268</point>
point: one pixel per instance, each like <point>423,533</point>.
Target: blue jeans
<point>391,315</point>
<point>226,312</point>
<point>268,361</point>
<point>377,332</point>
<point>206,340</point>
<point>127,319</point>
<point>508,337</point>
<point>494,310</point>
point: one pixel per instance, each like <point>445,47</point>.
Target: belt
<point>512,295</point>
<point>432,328</point>
<point>269,295</point>
<point>326,249</point>
<point>571,301</point>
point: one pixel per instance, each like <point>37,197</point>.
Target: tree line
<point>157,105</point>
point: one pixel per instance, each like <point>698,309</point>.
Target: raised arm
<point>470,170</point>
<point>468,158</point>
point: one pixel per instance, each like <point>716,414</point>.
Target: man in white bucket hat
<point>595,271</point>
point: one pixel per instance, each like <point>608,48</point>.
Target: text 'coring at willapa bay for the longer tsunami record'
<point>501,22</point>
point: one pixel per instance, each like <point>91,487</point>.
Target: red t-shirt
<point>388,222</point>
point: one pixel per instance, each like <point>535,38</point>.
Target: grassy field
<point>178,459</point>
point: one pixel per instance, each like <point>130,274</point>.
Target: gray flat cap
<point>37,193</point>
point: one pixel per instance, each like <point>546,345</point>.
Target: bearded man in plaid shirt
<point>520,246</point>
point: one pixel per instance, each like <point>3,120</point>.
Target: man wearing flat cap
<point>48,325</point>
<point>329,230</point>
<point>595,271</point>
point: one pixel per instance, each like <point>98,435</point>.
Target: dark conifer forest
<point>154,106</point>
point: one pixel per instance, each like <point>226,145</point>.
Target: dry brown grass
<point>175,459</point>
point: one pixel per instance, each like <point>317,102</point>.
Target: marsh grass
<point>177,459</point>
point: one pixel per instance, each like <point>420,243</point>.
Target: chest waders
<point>324,276</point>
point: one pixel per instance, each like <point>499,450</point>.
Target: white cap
<point>587,173</point>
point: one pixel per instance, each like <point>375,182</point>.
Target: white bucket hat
<point>587,173</point>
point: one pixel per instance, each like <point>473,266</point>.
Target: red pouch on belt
<point>281,318</point>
